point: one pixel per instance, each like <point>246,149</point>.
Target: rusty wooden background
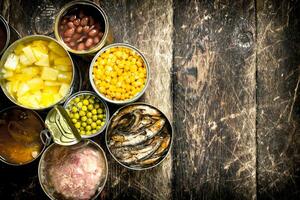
<point>225,72</point>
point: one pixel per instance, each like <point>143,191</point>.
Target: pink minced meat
<point>76,174</point>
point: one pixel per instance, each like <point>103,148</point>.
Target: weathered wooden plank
<point>149,26</point>
<point>214,100</point>
<point>278,59</point>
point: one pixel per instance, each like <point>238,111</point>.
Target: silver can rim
<point>44,145</point>
<point>7,28</point>
<point>133,168</point>
<point>144,60</point>
<point>12,47</point>
<point>105,107</point>
<point>88,3</point>
<point>100,189</point>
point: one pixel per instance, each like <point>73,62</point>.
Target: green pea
<point>84,108</point>
<point>85,102</point>
<point>84,118</point>
<point>79,104</point>
<point>84,124</point>
<point>76,116</point>
<point>77,125</point>
<point>90,107</point>
<point>89,121</point>
<point>94,117</point>
<point>81,113</point>
<point>100,111</point>
<point>93,125</point>
<point>88,128</point>
<point>89,114</point>
<point>74,109</point>
<point>77,99</point>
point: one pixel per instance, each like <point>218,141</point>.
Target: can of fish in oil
<point>139,136</point>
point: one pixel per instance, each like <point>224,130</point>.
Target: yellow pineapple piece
<point>64,89</point>
<point>57,49</point>
<point>64,77</point>
<point>19,49</point>
<point>11,62</point>
<point>47,99</point>
<point>64,68</point>
<point>23,89</point>
<point>43,61</point>
<point>63,61</point>
<point>32,71</point>
<point>49,74</point>
<point>51,89</point>
<point>29,54</point>
<point>35,84</point>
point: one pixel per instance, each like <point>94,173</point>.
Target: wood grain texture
<point>214,100</point>
<point>278,59</point>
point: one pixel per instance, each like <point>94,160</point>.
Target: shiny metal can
<point>107,37</point>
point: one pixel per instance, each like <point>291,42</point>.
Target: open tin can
<point>23,137</point>
<point>139,136</point>
<point>75,172</point>
<point>76,35</point>
<point>75,77</point>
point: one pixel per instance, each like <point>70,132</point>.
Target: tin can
<point>44,175</point>
<point>45,138</point>
<point>82,93</point>
<point>10,49</point>
<point>6,30</point>
<point>107,37</point>
<point>92,68</point>
<point>168,127</point>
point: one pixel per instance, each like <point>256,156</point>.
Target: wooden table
<point>227,75</point>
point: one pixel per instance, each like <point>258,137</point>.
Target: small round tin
<point>81,93</point>
<point>107,35</point>
<point>43,136</point>
<point>92,78</point>
<point>11,48</point>
<point>6,29</point>
<point>134,166</point>
<point>46,163</point>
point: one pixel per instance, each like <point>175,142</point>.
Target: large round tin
<point>50,148</point>
<point>107,36</point>
<point>7,29</point>
<point>44,136</point>
<point>11,48</point>
<point>104,104</point>
<point>126,46</point>
<point>170,132</point>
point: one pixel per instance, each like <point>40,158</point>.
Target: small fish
<point>143,154</point>
<point>150,132</point>
<point>145,110</point>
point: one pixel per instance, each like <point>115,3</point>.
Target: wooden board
<point>278,59</point>
<point>214,100</point>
